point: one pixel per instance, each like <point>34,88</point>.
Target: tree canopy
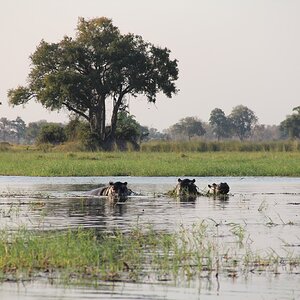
<point>243,120</point>
<point>82,73</point>
<point>187,127</point>
<point>290,127</point>
<point>219,123</point>
<point>12,130</point>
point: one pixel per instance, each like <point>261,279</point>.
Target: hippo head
<point>219,189</point>
<point>118,190</point>
<point>186,187</point>
<point>213,188</point>
<point>223,188</point>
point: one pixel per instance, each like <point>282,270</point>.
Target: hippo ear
<point>111,183</point>
<point>194,180</point>
<point>125,183</point>
<point>179,180</point>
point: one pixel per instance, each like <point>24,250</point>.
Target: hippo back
<point>95,192</point>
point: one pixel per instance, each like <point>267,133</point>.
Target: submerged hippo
<point>186,188</point>
<point>115,190</point>
<point>218,189</point>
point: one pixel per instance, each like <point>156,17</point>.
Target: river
<point>267,208</point>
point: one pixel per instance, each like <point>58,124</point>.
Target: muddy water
<point>268,210</point>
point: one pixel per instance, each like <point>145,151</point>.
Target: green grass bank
<point>190,163</point>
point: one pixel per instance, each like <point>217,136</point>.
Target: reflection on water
<point>260,287</point>
<point>267,208</point>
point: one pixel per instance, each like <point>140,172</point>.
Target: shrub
<point>51,134</point>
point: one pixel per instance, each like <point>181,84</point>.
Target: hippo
<point>186,188</point>
<point>115,190</point>
<point>218,189</point>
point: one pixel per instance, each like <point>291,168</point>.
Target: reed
<point>137,255</point>
<point>218,146</point>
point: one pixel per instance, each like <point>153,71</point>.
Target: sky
<point>229,52</point>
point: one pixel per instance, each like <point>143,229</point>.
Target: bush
<point>4,146</point>
<point>53,134</point>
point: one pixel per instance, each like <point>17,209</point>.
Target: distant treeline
<point>17,132</point>
<point>237,132</point>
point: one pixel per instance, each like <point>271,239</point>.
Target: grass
<point>38,163</point>
<point>197,145</point>
<point>135,256</point>
<point>140,253</point>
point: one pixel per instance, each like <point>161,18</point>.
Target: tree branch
<point>69,107</point>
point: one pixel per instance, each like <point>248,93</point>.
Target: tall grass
<point>174,146</point>
<point>36,163</point>
<point>214,146</point>
<point>134,256</point>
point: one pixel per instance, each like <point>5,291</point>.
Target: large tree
<point>100,63</point>
<point>243,120</point>
<point>219,123</point>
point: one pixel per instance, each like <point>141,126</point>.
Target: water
<point>268,208</point>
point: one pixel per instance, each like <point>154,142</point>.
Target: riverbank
<point>38,163</point>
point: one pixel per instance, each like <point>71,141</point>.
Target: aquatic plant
<point>238,231</point>
<point>136,255</point>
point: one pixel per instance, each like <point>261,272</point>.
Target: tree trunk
<point>111,133</point>
<point>97,124</point>
<point>104,137</point>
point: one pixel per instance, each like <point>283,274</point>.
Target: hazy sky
<point>230,52</point>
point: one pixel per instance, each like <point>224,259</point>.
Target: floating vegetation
<point>140,255</point>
